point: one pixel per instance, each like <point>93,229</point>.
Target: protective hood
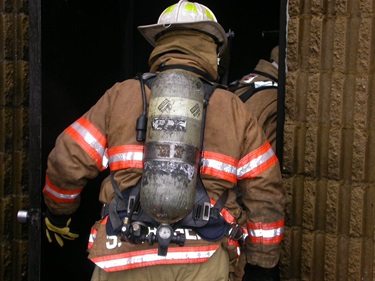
<point>187,47</point>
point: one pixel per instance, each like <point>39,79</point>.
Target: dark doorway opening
<point>87,46</point>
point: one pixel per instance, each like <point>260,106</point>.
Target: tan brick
<point>21,98</point>
<point>359,154</point>
<point>308,205</point>
<point>19,258</point>
<point>9,83</point>
<point>332,209</point>
<point>330,257</point>
<point>5,258</point>
<point>2,130</point>
<point>8,28</point>
<point>357,209</point>
<point>22,37</point>
<point>2,84</point>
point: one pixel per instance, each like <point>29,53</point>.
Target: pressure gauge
<point>165,231</point>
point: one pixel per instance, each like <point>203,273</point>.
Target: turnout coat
<point>235,152</point>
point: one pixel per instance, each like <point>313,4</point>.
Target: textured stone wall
<point>329,141</point>
<point>13,137</point>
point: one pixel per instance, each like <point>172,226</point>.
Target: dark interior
<point>87,46</point>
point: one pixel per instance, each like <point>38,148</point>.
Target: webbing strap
<point>116,205</point>
<point>253,90</point>
<point>265,75</point>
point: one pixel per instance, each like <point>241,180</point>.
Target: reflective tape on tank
<point>172,151</point>
<point>176,106</point>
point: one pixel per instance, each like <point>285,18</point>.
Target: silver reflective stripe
<point>270,233</point>
<point>146,258</point>
<point>258,84</point>
<point>92,237</point>
<point>105,159</point>
<point>256,162</point>
<point>219,166</point>
<point>126,156</point>
<point>89,138</point>
<point>60,195</point>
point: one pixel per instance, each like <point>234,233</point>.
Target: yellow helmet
<point>186,15</point>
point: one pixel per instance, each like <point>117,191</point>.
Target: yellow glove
<point>59,232</point>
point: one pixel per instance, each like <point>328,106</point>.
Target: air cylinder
<point>172,146</point>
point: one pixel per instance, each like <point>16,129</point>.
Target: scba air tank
<point>172,146</point>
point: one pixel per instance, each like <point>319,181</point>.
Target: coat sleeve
<point>76,158</point>
<point>263,195</point>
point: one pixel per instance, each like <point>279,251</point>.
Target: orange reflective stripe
<point>220,166</point>
<point>60,195</point>
<point>92,237</point>
<point>90,139</point>
<point>225,213</point>
<point>125,156</point>
<point>256,162</point>
<point>235,243</point>
<point>266,233</point>
<point>150,257</point>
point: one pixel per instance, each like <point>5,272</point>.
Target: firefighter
<point>258,90</point>
<point>128,243</point>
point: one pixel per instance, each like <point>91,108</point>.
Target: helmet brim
<point>149,32</point>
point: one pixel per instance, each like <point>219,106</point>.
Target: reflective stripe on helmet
<point>90,139</point>
<point>191,7</point>
<point>185,11</point>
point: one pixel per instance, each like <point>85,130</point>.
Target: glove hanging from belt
<point>57,228</point>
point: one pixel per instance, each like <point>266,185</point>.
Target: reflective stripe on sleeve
<point>225,213</point>
<point>220,166</point>
<point>266,233</point>
<point>125,156</point>
<point>256,162</point>
<point>59,195</point>
<point>90,139</point>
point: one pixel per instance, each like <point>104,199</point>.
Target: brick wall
<point>13,137</point>
<point>329,141</point>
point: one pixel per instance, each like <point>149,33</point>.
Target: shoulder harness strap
<point>274,79</point>
<point>256,87</point>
